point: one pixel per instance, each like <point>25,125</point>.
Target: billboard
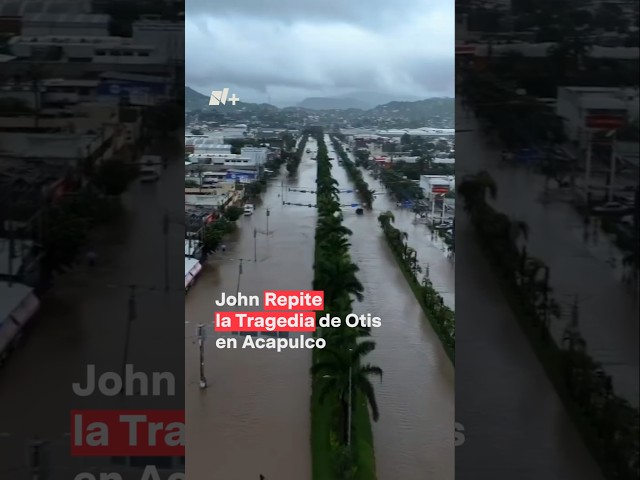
<point>242,177</point>
<point>136,92</point>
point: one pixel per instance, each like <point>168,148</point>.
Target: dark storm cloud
<point>293,51</point>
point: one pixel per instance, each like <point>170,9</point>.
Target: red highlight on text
<point>293,300</point>
<point>265,322</point>
<point>135,433</point>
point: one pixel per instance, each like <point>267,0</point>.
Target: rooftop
<point>45,145</point>
<point>11,297</point>
<point>75,40</point>
<point>66,18</point>
<point>24,7</point>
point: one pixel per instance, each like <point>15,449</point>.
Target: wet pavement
<point>83,319</point>
<point>254,416</point>
<point>515,424</point>
<point>255,413</point>
<point>415,434</point>
<point>432,252</point>
<point>608,307</point>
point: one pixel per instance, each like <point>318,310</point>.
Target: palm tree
<point>337,276</point>
<point>331,224</point>
<point>474,189</point>
<point>386,219</point>
<point>340,368</point>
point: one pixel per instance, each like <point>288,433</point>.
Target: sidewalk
<point>608,309</point>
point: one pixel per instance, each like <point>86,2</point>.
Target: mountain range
<point>365,102</point>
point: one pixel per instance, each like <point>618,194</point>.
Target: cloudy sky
<point>287,50</point>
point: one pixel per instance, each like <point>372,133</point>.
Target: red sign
<point>604,122</point>
<point>439,190</point>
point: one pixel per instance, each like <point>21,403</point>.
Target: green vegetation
<point>608,423</point>
<point>342,393</point>
<point>215,232</point>
<point>293,162</point>
<point>113,177</point>
<point>355,175</point>
<point>67,224</point>
<point>441,317</point>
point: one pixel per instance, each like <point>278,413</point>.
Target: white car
<point>248,209</point>
<point>610,207</point>
<point>149,173</point>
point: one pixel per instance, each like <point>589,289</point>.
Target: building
<point>168,37</point>
<point>433,185</point>
<point>61,24</point>
<point>133,89</point>
<point>258,155</point>
<point>205,144</point>
<point>85,49</point>
<point>577,106</point>
<point>18,8</point>
<point>56,150</point>
<point>18,304</point>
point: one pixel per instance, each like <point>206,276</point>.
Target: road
<point>257,403</point>
<point>414,436</point>
<point>431,252</point>
<point>608,309</point>
<point>515,424</point>
<point>254,417</point>
<point>83,319</point>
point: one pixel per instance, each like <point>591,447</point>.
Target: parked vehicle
<point>612,207</point>
<point>248,209</point>
<point>150,168</point>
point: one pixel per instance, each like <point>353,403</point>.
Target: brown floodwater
<point>254,416</point>
<point>414,438</point>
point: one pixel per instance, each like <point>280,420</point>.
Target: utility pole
<point>239,277</point>
<point>131,316</point>
<point>612,174</point>
<point>165,232</point>
<point>350,404</point>
<point>587,168</point>
<point>255,244</point>
<point>268,214</point>
<point>38,468</point>
<point>201,339</point>
<point>9,225</point>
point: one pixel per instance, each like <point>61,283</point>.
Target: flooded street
<point>509,409</point>
<point>83,320</point>
<point>414,436</point>
<point>578,269</point>
<point>431,253</point>
<point>254,417</point>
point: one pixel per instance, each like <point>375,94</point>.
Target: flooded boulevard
<point>254,416</point>
<point>431,252</point>
<point>415,433</point>
<point>255,413</point>
<point>509,409</point>
<point>83,320</point>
